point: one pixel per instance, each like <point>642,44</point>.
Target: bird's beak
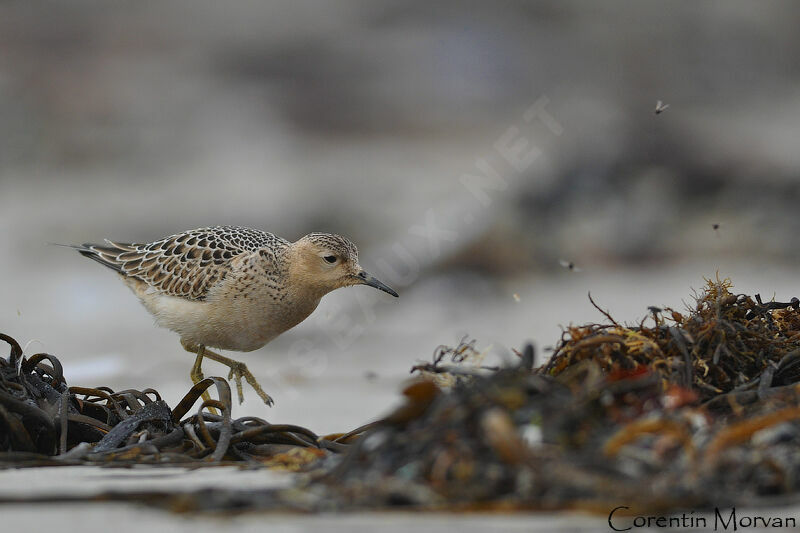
<point>366,279</point>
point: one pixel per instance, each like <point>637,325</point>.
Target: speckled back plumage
<point>187,264</point>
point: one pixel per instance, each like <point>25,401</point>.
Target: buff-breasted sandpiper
<point>233,288</point>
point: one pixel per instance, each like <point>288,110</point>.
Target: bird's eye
<point>330,259</point>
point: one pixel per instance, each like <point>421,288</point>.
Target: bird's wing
<point>186,264</point>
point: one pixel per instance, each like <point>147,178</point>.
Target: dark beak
<point>366,279</point>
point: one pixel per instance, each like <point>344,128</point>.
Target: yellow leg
<point>196,373</point>
<point>237,372</point>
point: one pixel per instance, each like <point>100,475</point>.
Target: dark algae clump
<point>43,421</point>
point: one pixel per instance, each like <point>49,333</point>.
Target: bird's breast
<point>250,320</point>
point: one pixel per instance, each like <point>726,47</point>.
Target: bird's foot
<point>239,371</point>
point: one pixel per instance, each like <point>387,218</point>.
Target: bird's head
<point>325,262</point>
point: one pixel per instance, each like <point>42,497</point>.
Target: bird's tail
<point>107,255</point>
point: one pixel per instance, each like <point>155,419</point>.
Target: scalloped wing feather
<point>187,264</point>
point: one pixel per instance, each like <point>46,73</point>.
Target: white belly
<point>242,324</point>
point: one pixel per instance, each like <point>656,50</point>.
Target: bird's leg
<point>196,373</point>
<point>239,371</point>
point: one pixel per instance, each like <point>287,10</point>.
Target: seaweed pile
<point>43,421</point>
<point>682,410</point>
<point>729,342</point>
<point>695,409</point>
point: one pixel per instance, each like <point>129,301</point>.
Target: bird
<point>231,287</point>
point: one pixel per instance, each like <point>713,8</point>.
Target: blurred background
<point>475,151</point>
